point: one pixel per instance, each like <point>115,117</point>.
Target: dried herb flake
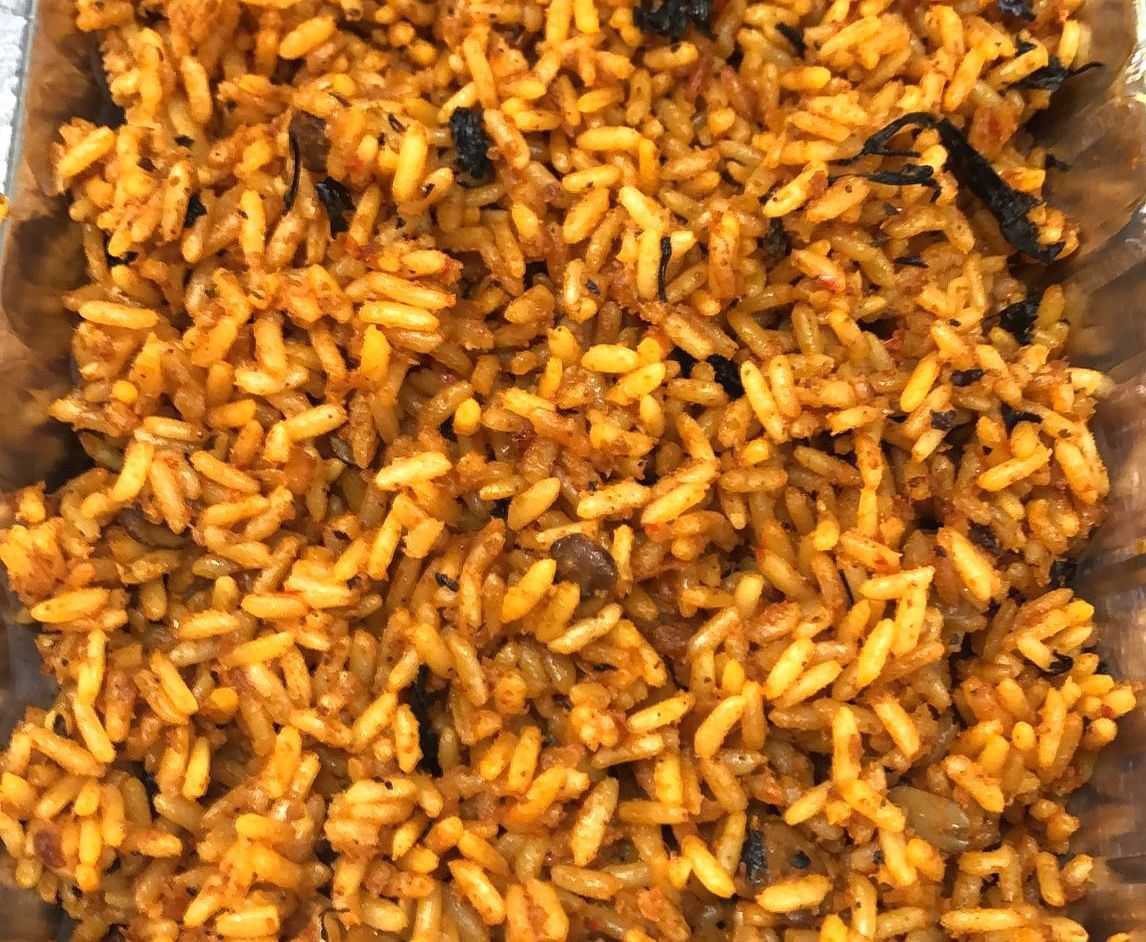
<point>195,210</point>
<point>446,582</point>
<point>966,377</point>
<point>663,267</point>
<point>337,202</point>
<point>776,245</point>
<point>1012,417</point>
<point>1018,319</point>
<point>420,701</point>
<point>471,142</point>
<point>672,18</point>
<point>911,261</point>
<point>753,857</point>
<point>727,374</point>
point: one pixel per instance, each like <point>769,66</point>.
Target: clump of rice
<point>541,490</point>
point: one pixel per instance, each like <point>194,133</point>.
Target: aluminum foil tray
<point>48,74</point>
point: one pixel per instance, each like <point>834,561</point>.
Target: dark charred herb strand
<point>911,261</point>
<point>395,123</point>
<point>1061,664</point>
<point>295,173</point>
<point>471,142</point>
<point>794,36</point>
<point>966,377</point>
<point>195,210</point>
<point>1052,75</point>
<point>672,18</point>
<point>420,701</point>
<point>974,173</point>
<point>337,202</point>
<point>663,268</point>
<point>907,175</point>
<point>726,373</point>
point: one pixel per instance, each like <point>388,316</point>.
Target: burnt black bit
<point>593,287</point>
<point>499,508</point>
<point>584,561</point>
<point>672,18</point>
<point>308,132</point>
<point>395,123</point>
<point>685,359</point>
<point>445,581</point>
<point>1012,417</point>
<point>801,861</point>
<point>295,175</point>
<point>777,244</point>
<point>1008,205</point>
<point>195,210</point>
<point>337,202</point>
<point>727,373</point>
<point>877,857</point>
<point>471,142</point>
<point>1018,319</point>
<point>1051,162</point>
<point>974,173</point>
<point>753,857</point>
<point>183,140</point>
<point>447,429</point>
<point>1018,8</point>
<point>1062,573</point>
<point>943,421</point>
<point>420,701</point>
<point>795,36</point>
<point>878,144</point>
<point>911,261</point>
<point>1051,76</point>
<point>907,175</point>
<point>966,377</point>
<point>1061,664</point>
<point>663,268</point>
<point>984,537</point>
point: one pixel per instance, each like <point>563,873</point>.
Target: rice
<point>559,473</point>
